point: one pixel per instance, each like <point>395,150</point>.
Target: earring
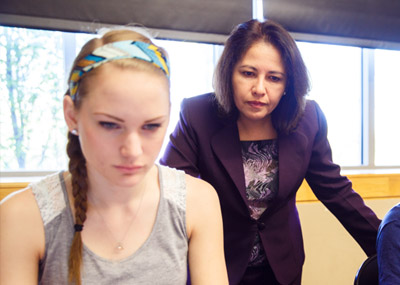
<point>284,93</point>
<point>74,132</point>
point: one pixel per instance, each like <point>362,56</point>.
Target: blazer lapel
<point>292,160</point>
<point>227,148</point>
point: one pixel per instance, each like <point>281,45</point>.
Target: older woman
<point>255,139</point>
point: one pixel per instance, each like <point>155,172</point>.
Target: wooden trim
<point>7,188</point>
<point>369,186</point>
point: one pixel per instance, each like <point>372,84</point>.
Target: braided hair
<point>77,161</point>
<point>77,168</point>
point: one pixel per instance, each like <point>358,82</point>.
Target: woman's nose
<point>131,145</point>
<point>259,88</point>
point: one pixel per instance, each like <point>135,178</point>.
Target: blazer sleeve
<point>336,193</point>
<point>182,149</point>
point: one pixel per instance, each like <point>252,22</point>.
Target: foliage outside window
<point>32,129</point>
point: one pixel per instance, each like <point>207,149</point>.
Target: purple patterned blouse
<point>260,164</point>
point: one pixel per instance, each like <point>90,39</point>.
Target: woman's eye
<point>109,125</point>
<point>248,73</point>
<point>275,78</point>
<point>151,127</point>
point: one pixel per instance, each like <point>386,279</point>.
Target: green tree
<point>29,70</point>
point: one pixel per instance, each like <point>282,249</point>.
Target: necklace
<point>119,246</point>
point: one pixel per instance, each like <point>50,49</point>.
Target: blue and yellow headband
<point>114,51</point>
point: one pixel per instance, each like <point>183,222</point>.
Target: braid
<point>77,168</point>
<point>77,162</point>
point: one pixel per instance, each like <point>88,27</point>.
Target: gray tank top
<point>162,259</point>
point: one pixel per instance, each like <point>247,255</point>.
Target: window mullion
<point>368,110</point>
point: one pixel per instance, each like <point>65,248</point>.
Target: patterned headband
<point>114,51</point>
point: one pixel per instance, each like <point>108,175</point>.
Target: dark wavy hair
<point>291,107</point>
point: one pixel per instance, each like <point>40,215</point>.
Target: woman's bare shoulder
<point>20,210</point>
<point>202,203</point>
<point>22,237</point>
<point>20,200</point>
<point>200,189</point>
<point>20,213</point>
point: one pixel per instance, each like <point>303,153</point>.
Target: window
<point>335,73</point>
<point>190,76</point>
<point>34,65</point>
<point>31,74</point>
<point>387,104</point>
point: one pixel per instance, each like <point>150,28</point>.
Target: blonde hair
<point>77,162</point>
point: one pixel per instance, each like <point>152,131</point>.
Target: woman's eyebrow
<point>108,115</point>
<point>156,119</point>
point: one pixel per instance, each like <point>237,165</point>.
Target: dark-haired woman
<point>255,140</point>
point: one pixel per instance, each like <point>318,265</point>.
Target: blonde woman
<point>114,217</point>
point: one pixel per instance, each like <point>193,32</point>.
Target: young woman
<point>115,217</point>
<point>255,140</point>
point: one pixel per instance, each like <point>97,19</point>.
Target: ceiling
<point>369,23</point>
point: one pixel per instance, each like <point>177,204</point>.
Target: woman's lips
<point>256,104</point>
<point>128,168</point>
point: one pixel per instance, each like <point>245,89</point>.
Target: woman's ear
<point>70,114</point>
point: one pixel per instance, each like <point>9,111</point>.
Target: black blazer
<point>206,145</point>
